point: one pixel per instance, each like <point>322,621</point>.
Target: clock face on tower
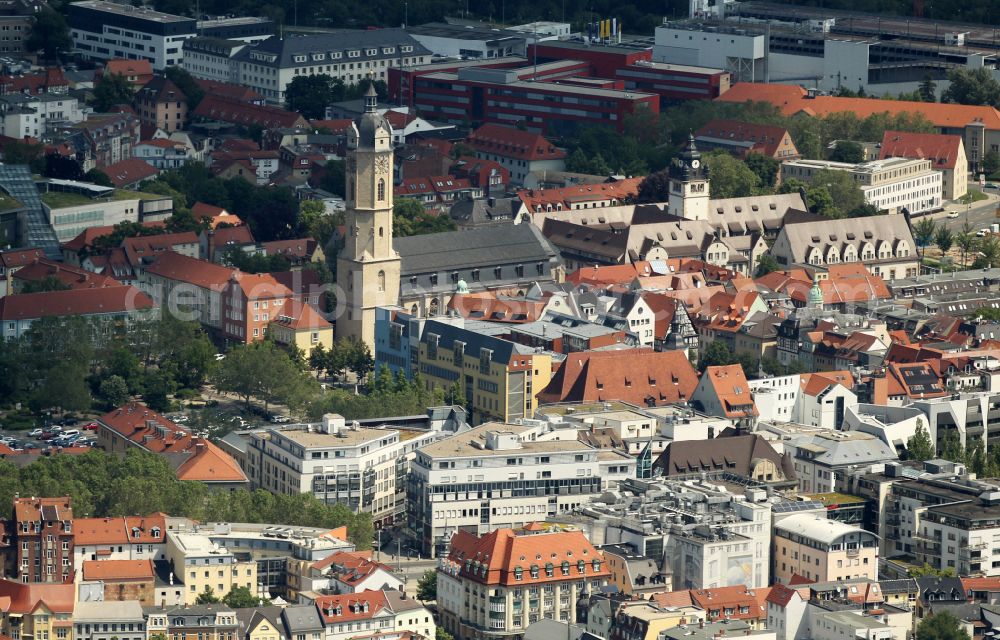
<point>695,164</point>
<point>382,164</point>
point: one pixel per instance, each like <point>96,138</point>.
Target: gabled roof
<point>160,89</point>
<point>792,99</point>
<point>234,111</point>
<point>140,68</point>
<point>130,171</point>
<point>42,509</point>
<point>297,248</point>
<point>299,316</point>
<point>735,454</point>
<point>619,190</point>
<point>942,150</point>
<point>70,276</point>
<point>208,463</point>
<point>639,376</point>
<point>124,530</point>
<point>736,598</point>
<point>74,302</point>
<point>730,386</point>
<point>351,607</point>
<point>917,380</point>
<point>511,142</point>
<point>228,89</point>
<point>760,138</point>
<point>174,266</point>
<point>141,249</point>
<point>87,237</point>
<point>15,258</point>
<point>118,569</point>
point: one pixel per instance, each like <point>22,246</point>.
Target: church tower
<point>688,185</point>
<point>368,266</point>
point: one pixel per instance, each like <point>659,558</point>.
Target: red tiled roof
<point>87,237</point>
<point>351,607</point>
<point>209,463</point>
<point>736,598</point>
<point>238,144</point>
<point>128,172</point>
<point>299,316</point>
<point>766,139</point>
<point>300,248</point>
<point>163,143</point>
<point>334,126</point>
<point>30,509</point>
<point>225,109</point>
<point>680,598</point>
<point>202,460</point>
<point>174,266</point>
<point>488,305</point>
<point>619,190</point>
<point>73,302</point>
<point>917,380</point>
<point>983,583</point>
<point>239,235</point>
<point>19,257</point>
<point>608,275</point>
<point>781,595</point>
<point>814,383</point>
<point>513,143</point>
<point>124,530</point>
<point>846,283</point>
<point>730,385</point>
<point>117,569</point>
<point>141,248</point>
<point>351,567</point>
<point>68,275</point>
<point>143,69</point>
<point>398,119</point>
<point>633,375</point>
<point>25,598</point>
<point>942,150</point>
<point>35,83</point>
<point>239,92</point>
<point>792,99</point>
<point>495,557</point>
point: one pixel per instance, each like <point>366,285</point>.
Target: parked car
<point>36,433</point>
<point>91,426</point>
<point>280,419</point>
<point>7,439</point>
<point>31,445</point>
<point>71,433</point>
<point>952,214</point>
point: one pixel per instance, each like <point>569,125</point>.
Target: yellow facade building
<point>300,325</point>
<point>201,565</point>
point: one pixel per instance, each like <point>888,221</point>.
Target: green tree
<point>928,89</point>
<point>966,240</point>
<point>21,152</point>
<point>315,223</point>
<point>989,314</point>
<point>114,390</point>
<point>49,35</point>
<point>766,263</point>
<point>333,178</point>
<point>48,283</point>
<point>941,626</point>
<point>187,84</point>
<point>440,633</point>
<point>919,445</point>
<point>716,354</point>
<point>427,586</point>
<point>409,218</point>
<point>991,162</point>
<point>972,86</point>
<point>655,187</point>
<point>764,167</point>
<point>98,177</point>
<point>989,252</point>
<point>264,371</point>
<point>243,598</point>
<point>580,162</point>
<point>834,194</point>
<point>923,233</point>
<point>848,151</point>
<point>112,89</point>
<point>207,596</point>
<point>730,177</point>
<point>944,239</point>
<point>928,570</point>
<point>311,95</point>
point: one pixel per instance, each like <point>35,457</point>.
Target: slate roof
<point>454,250</point>
<point>804,236</point>
<point>735,454</point>
<point>286,48</point>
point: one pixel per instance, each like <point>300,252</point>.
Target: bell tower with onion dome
<point>688,184</point>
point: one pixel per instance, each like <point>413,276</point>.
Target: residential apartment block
<point>496,475</point>
<point>42,534</point>
<point>809,545</point>
<point>200,564</point>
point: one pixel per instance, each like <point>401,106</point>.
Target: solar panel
<point>793,507</point>
<point>16,180</point>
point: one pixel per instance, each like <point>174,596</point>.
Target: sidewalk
<point>992,198</point>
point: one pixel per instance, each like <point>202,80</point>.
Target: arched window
<point>381,232</point>
<point>413,310</point>
<point>381,189</point>
<point>434,307</point>
<point>381,280</point>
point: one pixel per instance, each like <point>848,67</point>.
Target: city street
<point>979,215</point>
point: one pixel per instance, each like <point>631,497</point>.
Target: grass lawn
<point>61,199</point>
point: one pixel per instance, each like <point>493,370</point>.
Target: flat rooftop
<point>681,68</point>
<point>463,32</point>
<point>141,13</point>
<point>473,444</point>
<point>579,45</point>
<point>592,408</point>
<point>554,87</point>
<point>347,437</point>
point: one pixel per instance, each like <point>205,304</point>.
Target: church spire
<point>371,98</point>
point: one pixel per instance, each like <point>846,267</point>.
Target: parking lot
<point>75,433</point>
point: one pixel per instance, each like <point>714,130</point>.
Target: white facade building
<point>212,58</point>
<point>363,468</point>
<point>104,30</point>
<point>889,185</point>
<point>494,476</point>
<point>26,115</point>
<point>350,56</point>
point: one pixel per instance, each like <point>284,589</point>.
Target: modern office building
<point>362,467</point>
<point>104,30</point>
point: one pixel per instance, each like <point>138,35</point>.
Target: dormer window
<point>353,54</point>
<point>318,56</point>
<point>371,52</point>
<point>300,58</point>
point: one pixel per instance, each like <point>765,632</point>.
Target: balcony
<point>498,607</point>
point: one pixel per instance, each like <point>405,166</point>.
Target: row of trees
<point>72,363</point>
<point>107,485</point>
<point>949,446</point>
<point>311,95</point>
<point>986,250</point>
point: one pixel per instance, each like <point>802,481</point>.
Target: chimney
<point>210,248</point>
